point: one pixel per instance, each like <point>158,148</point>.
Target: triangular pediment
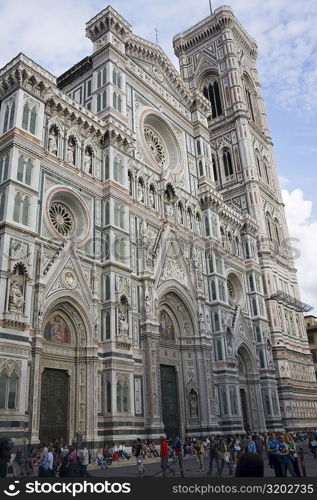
<point>156,73</point>
<point>172,264</point>
<point>67,274</point>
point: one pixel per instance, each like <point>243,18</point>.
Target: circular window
<point>155,146</point>
<point>61,218</point>
<point>67,214</point>
<point>235,290</point>
<point>159,142</point>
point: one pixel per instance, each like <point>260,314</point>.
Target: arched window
<point>254,307</point>
<point>213,95</point>
<point>114,100</point>
<point>25,116</point>
<point>98,103</point>
<point>9,116</point>
<point>214,169</point>
<point>198,147</point>
<point>6,119</point>
<point>259,166</point>
<point>119,103</point>
<point>109,392</point>
<point>104,99</point>
<point>213,290</point>
<point>216,321</point>
<point>201,169</point>
<point>17,208</point>
<point>33,121</point>
<point>28,172</point>
<point>249,103</point>
<point>108,325</point>
<point>267,405</point>
<point>268,222</point>
<point>251,283</point>
<point>130,179</point>
<point>277,234</point>
<point>107,216</point>
<point>274,402</point>
<point>25,211</point>
<point>219,350</point>
<point>20,173</point>
<point>258,334</point>
<point>207,226</point>
<point>122,396</point>
<point>266,168</point>
<point>99,79</point>
<point>227,163</point>
<point>224,402</point>
<point>8,390</point>
<point>2,203</point>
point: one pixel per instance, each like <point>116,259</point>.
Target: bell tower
<point>218,57</point>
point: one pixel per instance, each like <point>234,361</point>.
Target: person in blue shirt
<point>272,449</point>
<point>250,445</point>
<point>284,457</point>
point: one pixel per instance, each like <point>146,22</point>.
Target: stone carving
<point>152,198</point>
<point>16,298</point>
<point>193,403</point>
<point>88,161</point>
<point>52,141</point>
<point>71,150</point>
<point>140,192</point>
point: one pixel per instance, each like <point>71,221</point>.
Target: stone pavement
<point>128,468</point>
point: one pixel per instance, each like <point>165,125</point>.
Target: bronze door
<point>243,399</point>
<point>54,406</point>
<point>169,393</point>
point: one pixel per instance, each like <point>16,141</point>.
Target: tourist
<point>272,449</point>
<point>84,460</point>
<point>223,456</point>
<point>283,457</point>
<point>153,449</point>
<point>138,455</point>
<point>123,451</point>
<point>164,451</point>
<point>212,454</point>
<point>250,445</point>
<point>293,453</point>
<point>178,450</point>
<point>200,453</point>
<point>100,459</point>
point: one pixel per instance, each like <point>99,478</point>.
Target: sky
<point>53,34</point>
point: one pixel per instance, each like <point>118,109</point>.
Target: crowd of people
<point>240,455</point>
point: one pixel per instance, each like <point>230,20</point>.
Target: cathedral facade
<point>147,284</point>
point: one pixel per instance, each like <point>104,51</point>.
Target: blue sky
<point>52,33</point>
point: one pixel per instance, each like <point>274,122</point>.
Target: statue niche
<point>123,322</point>
<point>17,290</point>
<point>53,140</point>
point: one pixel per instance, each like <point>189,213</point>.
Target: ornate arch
<point>75,316</point>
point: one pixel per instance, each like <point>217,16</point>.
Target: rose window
<point>61,219</point>
<point>155,146</point>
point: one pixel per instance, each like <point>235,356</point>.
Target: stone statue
<point>16,297</point>
<point>71,151</point>
<point>180,216</point>
<point>152,198</point>
<point>140,192</point>
<point>189,220</point>
<point>88,161</point>
<point>193,404</point>
<point>52,142</point>
<point>123,325</point>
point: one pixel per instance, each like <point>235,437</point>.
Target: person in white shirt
<point>84,460</point>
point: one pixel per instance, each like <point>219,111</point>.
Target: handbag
<point>227,457</point>
<point>314,443</point>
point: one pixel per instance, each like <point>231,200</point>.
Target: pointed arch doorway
<point>245,388</point>
<point>176,380</point>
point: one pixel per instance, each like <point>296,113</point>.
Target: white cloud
<point>304,231</point>
<point>53,33</point>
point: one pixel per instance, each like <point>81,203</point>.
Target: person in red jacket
<point>164,450</point>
